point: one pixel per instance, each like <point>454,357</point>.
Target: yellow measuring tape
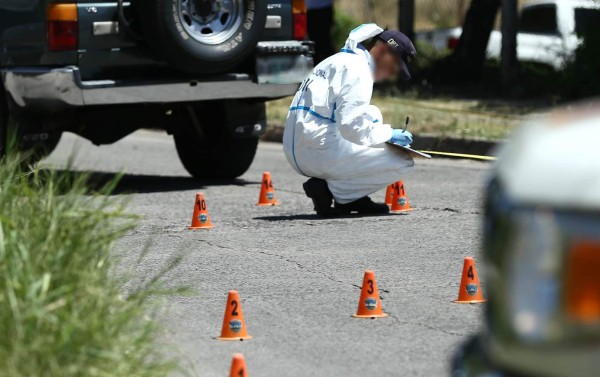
<point>461,155</point>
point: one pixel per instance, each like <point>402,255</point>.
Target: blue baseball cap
<point>402,46</point>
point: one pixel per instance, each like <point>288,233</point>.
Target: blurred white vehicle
<point>542,254</point>
<point>548,31</point>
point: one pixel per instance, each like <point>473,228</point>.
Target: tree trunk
<point>470,53</point>
<point>460,14</point>
<point>509,62</point>
<point>406,18</point>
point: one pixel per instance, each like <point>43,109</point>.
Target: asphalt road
<point>298,276</point>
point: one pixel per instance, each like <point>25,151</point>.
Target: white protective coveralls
<point>334,134</point>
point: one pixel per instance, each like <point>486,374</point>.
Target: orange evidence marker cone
<point>200,218</point>
<point>399,199</point>
<point>267,192</point>
<point>234,326</point>
<point>369,305</point>
<point>469,291</point>
<point>389,194</point>
<point>238,366</point>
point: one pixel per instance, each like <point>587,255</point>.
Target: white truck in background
<point>549,32</point>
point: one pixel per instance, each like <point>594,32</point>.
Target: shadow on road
<point>145,184</point>
<point>307,216</point>
<point>291,217</point>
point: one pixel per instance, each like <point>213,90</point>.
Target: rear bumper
<point>58,88</point>
<point>53,89</point>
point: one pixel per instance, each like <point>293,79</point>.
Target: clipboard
<point>409,151</point>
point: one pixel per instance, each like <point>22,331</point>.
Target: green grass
<point>444,117</point>
<point>62,310</point>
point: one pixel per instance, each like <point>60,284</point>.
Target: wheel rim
<point>210,21</point>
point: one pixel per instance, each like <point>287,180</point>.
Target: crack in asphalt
<point>333,279</point>
<point>303,267</point>
<point>323,274</point>
<point>288,260</point>
<point>424,325</point>
<point>216,245</point>
<point>448,209</point>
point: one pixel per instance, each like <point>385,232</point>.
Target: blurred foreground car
<point>542,251</point>
<point>200,69</point>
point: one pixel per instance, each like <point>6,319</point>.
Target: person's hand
<point>401,137</point>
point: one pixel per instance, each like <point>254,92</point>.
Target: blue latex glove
<point>401,137</point>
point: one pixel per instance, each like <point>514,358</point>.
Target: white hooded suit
<point>334,134</point>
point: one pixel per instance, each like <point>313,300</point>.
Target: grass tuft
<point>62,313</point>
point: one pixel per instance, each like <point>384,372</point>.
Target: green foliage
<point>428,58</point>
<point>582,75</point>
<point>61,312</point>
<point>579,79</point>
<point>342,26</point>
<point>441,18</point>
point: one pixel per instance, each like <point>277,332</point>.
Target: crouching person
<point>334,136</point>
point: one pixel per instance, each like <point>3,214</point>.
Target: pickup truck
<point>549,32</point>
<point>200,69</point>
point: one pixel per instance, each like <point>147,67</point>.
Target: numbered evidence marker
<point>369,305</point>
<point>469,291</point>
<point>238,366</point>
<point>267,192</point>
<point>399,199</point>
<point>234,326</point>
<point>200,218</point>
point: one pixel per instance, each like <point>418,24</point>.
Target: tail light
<point>452,43</point>
<point>299,13</point>
<point>63,27</point>
<point>582,282</point>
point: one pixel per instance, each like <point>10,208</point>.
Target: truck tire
<point>227,158</point>
<point>203,36</point>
